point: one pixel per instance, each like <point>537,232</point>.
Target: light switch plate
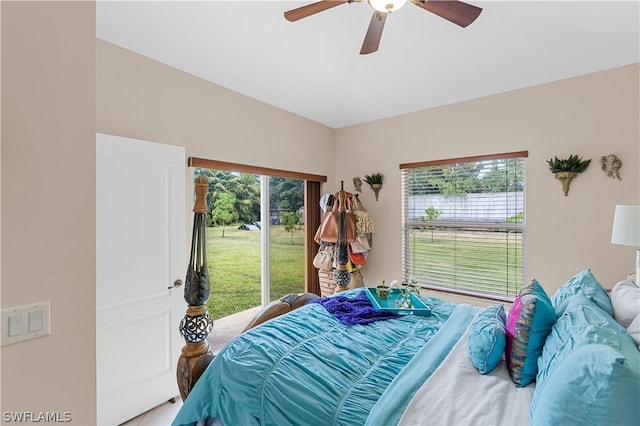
<point>35,321</point>
<point>26,322</point>
<point>15,325</point>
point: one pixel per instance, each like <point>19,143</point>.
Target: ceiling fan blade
<point>311,9</point>
<point>374,33</point>
<point>458,12</point>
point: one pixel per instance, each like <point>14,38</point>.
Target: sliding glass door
<point>255,239</point>
<point>286,240</point>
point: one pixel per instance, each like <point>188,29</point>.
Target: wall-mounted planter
<point>376,189</point>
<point>566,169</point>
<point>375,182</point>
<point>566,178</point>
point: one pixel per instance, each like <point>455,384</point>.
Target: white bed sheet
<point>456,394</point>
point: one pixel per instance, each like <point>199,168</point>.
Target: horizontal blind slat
<point>464,225</point>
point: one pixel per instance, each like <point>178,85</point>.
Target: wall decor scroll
<point>611,165</point>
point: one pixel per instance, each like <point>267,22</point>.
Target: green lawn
<point>234,264</point>
<point>497,255</point>
<point>234,267</point>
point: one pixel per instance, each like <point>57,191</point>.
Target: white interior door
<point>141,251</point>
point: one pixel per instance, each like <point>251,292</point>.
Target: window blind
<point>464,224</point>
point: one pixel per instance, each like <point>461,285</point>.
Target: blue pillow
<point>589,370</point>
<point>487,338</point>
<point>586,284</point>
<point>530,320</point>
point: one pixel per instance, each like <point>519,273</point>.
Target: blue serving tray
<point>390,304</point>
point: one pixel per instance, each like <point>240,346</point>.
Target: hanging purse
<point>364,223</point>
<point>361,244</point>
<point>328,222</point>
<point>328,229</point>
<point>324,258</point>
<point>357,258</point>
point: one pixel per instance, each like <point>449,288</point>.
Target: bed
<point>577,365</point>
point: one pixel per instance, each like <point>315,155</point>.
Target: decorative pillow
<point>582,283</point>
<point>487,338</point>
<point>625,299</point>
<point>589,371</point>
<point>634,330</point>
<point>529,322</point>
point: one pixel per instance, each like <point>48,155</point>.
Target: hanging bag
<point>328,223</point>
<point>328,229</point>
<point>360,245</point>
<point>357,258</point>
<point>324,258</point>
<point>364,223</point>
<point>364,228</point>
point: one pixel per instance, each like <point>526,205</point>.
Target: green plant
<point>516,218</point>
<point>572,164</point>
<point>374,178</point>
<point>405,293</point>
<point>291,220</point>
<point>431,216</point>
<point>223,211</point>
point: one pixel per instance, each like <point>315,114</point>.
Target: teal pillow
<point>530,320</point>
<point>487,338</point>
<point>589,371</point>
<point>586,284</point>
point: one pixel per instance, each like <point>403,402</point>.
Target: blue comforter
<point>308,368</point>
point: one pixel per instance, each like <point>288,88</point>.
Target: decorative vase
<point>383,292</point>
<point>566,178</point>
<point>376,189</point>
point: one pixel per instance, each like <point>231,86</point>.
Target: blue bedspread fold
<point>306,367</point>
<point>391,405</point>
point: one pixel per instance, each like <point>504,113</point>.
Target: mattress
<point>306,367</point>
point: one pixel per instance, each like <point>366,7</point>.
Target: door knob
<point>176,283</point>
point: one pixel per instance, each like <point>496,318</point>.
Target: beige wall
<point>143,99</point>
<point>140,98</point>
<point>56,80</point>
<point>591,116</point>
<point>48,203</point>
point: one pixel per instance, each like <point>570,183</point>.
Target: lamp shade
<point>626,226</point>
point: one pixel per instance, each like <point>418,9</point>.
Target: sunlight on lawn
<point>234,267</point>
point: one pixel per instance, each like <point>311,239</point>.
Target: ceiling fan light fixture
<point>385,6</point>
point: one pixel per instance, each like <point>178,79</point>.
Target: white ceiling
<point>313,68</point>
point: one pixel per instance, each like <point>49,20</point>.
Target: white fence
<point>496,208</point>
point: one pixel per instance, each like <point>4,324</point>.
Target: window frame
<point>312,216</point>
<point>408,225</point>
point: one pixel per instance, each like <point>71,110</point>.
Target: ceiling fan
<point>458,12</point>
